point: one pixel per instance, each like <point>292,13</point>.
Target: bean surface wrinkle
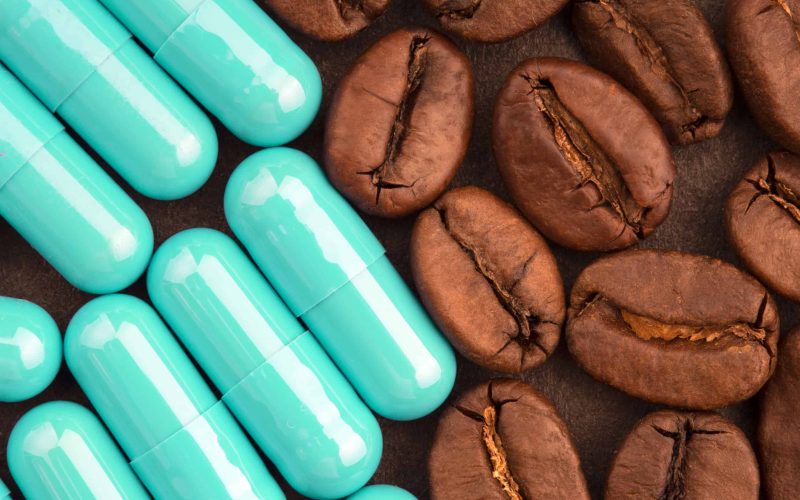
<point>458,9</point>
<point>780,193</point>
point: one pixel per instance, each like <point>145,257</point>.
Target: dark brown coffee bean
<point>673,328</point>
<point>763,38</point>
<point>504,440</point>
<point>778,430</point>
<point>400,122</point>
<point>489,280</point>
<point>493,20</point>
<point>581,156</point>
<point>328,20</point>
<point>673,455</point>
<point>664,52</point>
<point>763,220</point>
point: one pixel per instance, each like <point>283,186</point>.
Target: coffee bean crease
<point>783,4</point>
<point>350,9</point>
<point>778,192</point>
<point>458,9</point>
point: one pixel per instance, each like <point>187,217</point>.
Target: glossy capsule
<point>181,442</point>
<point>85,67</point>
<point>62,202</point>
<point>334,275</point>
<point>272,373</point>
<point>60,451</point>
<point>382,492</point>
<point>5,494</point>
<point>234,59</point>
<point>30,350</point>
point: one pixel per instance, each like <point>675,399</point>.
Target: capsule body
<point>30,350</point>
<point>59,450</point>
<point>62,202</point>
<point>273,374</point>
<point>182,442</point>
<point>85,67</point>
<point>382,492</point>
<point>234,59</point>
<point>334,275</point>
<point>5,493</point>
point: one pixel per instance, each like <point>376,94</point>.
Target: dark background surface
<point>598,416</point>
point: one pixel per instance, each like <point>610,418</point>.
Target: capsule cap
<point>300,232</point>
<point>382,492</point>
<point>60,450</point>
<point>4,491</point>
<point>152,21</point>
<point>30,350</point>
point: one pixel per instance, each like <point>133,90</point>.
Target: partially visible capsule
<point>30,350</point>
<point>382,492</point>
<point>86,68</point>
<point>234,59</point>
<point>60,451</point>
<point>5,493</point>
<point>62,202</point>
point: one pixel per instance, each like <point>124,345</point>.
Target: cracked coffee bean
<point>489,280</point>
<point>778,436</point>
<point>666,54</point>
<point>400,122</point>
<point>672,455</point>
<point>763,39</point>
<point>328,20</point>
<point>492,20</point>
<point>504,440</point>
<point>583,159</point>
<point>763,220</point>
<point>673,328</point>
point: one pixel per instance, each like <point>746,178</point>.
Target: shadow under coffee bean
<point>328,20</point>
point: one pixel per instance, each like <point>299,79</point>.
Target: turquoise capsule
<point>60,451</point>
<point>182,442</point>
<point>273,375</point>
<point>234,59</point>
<point>30,350</point>
<point>334,275</point>
<point>5,494</point>
<point>382,492</point>
<point>62,202</point>
<point>86,68</point>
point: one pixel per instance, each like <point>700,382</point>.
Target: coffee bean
<point>400,122</point>
<point>763,220</point>
<point>504,440</point>
<point>673,455</point>
<point>673,328</point>
<point>492,20</point>
<point>581,156</point>
<point>763,38</point>
<point>666,54</point>
<point>778,432</point>
<point>328,20</point>
<point>489,280</point>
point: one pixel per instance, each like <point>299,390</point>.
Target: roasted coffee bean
<point>779,427</point>
<point>328,20</point>
<point>489,280</point>
<point>504,440</point>
<point>763,39</point>
<point>673,328</point>
<point>763,220</point>
<point>400,122</point>
<point>673,455</point>
<point>581,156</point>
<point>493,20</point>
<point>664,52</point>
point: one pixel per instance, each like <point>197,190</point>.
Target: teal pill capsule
<point>86,68</point>
<point>30,350</point>
<point>62,202</point>
<point>181,442</point>
<point>234,59</point>
<point>274,376</point>
<point>334,275</point>
<point>60,451</point>
<point>5,494</point>
<point>382,492</point>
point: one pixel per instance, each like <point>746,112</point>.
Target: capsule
<point>85,67</point>
<point>234,59</point>
<point>60,451</point>
<point>274,376</point>
<point>334,275</point>
<point>62,202</point>
<point>382,492</point>
<point>181,441</point>
<point>30,350</point>
<point>5,493</point>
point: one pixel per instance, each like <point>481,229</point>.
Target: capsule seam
<point>178,28</point>
<point>33,155</point>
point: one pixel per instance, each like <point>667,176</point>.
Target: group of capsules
<point>294,365</point>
